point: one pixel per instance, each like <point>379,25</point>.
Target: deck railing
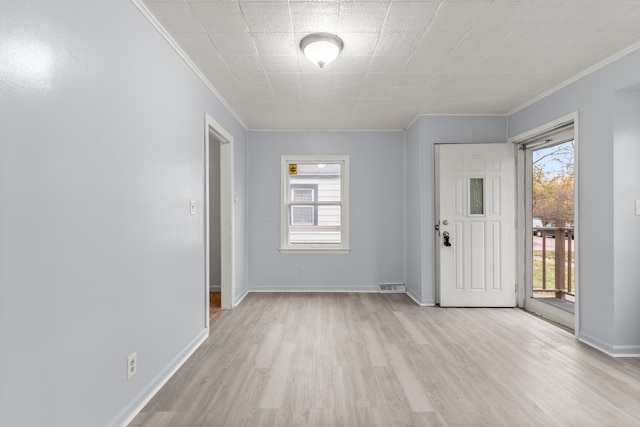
<point>562,261</point>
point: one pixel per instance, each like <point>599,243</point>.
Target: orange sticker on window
<point>293,169</point>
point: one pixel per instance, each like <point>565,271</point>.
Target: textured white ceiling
<point>400,58</point>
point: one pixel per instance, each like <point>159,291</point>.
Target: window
<point>315,210</point>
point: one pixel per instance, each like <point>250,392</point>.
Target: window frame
<point>285,205</point>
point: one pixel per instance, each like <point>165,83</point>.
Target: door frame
<point>215,133</point>
<point>524,246</point>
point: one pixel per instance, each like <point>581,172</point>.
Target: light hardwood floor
<point>380,360</point>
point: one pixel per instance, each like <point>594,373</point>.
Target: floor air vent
<point>392,288</point>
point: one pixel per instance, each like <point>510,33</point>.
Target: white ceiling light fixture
<point>321,48</point>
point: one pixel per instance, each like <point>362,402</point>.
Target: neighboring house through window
<point>315,210</point>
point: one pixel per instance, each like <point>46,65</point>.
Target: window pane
<point>324,177</point>
<point>327,230</point>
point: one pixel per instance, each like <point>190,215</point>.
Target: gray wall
<point>100,153</point>
<point>376,212</point>
<point>626,179</point>
<point>604,281</point>
<point>414,214</point>
<point>422,136</point>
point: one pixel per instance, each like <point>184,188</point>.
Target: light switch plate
<point>132,365</point>
<point>637,207</point>
<point>193,207</point>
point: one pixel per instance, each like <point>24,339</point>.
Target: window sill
<point>315,251</point>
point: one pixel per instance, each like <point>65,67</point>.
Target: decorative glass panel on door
<point>476,196</point>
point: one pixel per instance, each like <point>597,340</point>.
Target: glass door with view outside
<point>552,202</point>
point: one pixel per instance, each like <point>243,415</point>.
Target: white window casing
<point>314,204</point>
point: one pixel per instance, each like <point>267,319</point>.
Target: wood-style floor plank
<point>379,360</point>
<point>215,306</point>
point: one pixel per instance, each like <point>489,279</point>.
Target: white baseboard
<point>626,350</point>
<point>364,289</point>
<point>615,350</point>
<point>129,413</point>
<point>320,289</point>
<point>414,297</point>
<point>240,298</point>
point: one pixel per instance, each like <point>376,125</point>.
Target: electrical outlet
<point>132,365</point>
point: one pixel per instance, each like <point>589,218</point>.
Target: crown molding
<point>577,77</point>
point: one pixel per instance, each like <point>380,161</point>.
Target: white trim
<point>164,33</point>
<point>436,215</point>
<point>590,70</point>
<point>576,220</point>
<point>621,350</point>
<point>616,350</point>
<point>316,289</point>
<point>404,208</point>
<point>226,213</point>
<point>241,297</point>
<point>415,119</point>
<point>129,413</point>
<point>597,344</point>
<point>571,117</point>
<point>414,297</point>
<point>314,251</point>
<point>207,232</point>
<point>461,115</point>
<point>524,243</point>
<point>326,130</point>
<point>329,289</point>
<point>227,254</point>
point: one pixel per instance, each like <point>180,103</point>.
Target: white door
<point>475,213</point>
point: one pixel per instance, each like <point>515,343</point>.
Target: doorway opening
<point>552,206</point>
<point>215,243</point>
<point>219,201</point>
<point>547,172</point>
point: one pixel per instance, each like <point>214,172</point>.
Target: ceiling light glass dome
<point>321,48</point>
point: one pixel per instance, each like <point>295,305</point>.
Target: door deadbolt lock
<point>446,238</point>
